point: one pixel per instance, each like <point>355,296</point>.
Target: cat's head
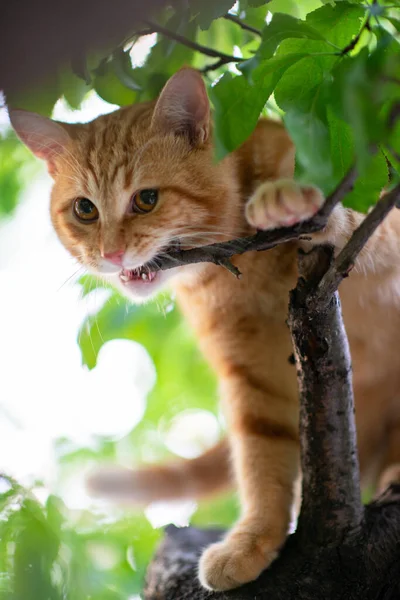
<point>134,184</point>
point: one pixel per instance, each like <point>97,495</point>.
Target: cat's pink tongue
<point>137,275</point>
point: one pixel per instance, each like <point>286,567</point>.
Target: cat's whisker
<point>81,268</point>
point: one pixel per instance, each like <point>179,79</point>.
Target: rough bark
<point>331,502</point>
<point>365,567</point>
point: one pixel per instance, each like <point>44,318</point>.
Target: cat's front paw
<point>233,562</point>
<point>282,203</point>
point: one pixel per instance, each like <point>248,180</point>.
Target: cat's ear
<point>183,107</point>
<point>44,137</point>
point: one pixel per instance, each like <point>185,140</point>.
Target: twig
<point>344,262</point>
<point>214,66</point>
<point>230,267</point>
<point>242,24</point>
<point>190,44</point>
<point>355,40</point>
<point>263,240</point>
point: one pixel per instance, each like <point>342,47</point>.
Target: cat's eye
<point>85,211</point>
<point>144,201</point>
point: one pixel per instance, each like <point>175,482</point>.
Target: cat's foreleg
<point>265,452</point>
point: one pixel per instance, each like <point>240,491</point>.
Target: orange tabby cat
<point>130,185</point>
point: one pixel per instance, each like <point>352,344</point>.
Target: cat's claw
<point>232,563</point>
<point>282,203</point>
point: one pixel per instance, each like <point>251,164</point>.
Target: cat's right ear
<point>183,107</point>
<point>44,137</point>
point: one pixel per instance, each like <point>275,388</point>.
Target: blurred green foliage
<point>51,553</point>
<point>16,167</point>
<point>332,70</point>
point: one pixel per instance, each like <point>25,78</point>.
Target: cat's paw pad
<point>229,564</point>
<point>282,203</point>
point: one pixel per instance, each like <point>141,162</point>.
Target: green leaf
<point>306,89</point>
<point>17,167</point>
<point>368,187</point>
<point>338,23</point>
<point>123,69</point>
<point>369,184</point>
<point>40,99</point>
<point>73,88</point>
<point>357,80</point>
<point>205,11</point>
<point>282,27</point>
<point>238,102</point>
<point>109,87</point>
<point>254,15</point>
<point>293,7</point>
<point>252,3</point>
<point>309,131</point>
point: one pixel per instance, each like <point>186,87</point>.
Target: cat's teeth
<point>125,277</point>
<point>145,276</point>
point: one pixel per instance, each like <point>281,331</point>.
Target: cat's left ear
<point>44,137</point>
<point>183,107</point>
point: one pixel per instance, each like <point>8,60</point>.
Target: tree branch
<point>263,240</point>
<point>219,63</point>
<point>356,39</point>
<point>331,501</point>
<point>155,28</point>
<point>242,24</point>
<point>346,259</point>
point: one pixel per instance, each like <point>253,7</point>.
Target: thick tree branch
<point>331,501</point>
<point>221,252</point>
<point>367,568</point>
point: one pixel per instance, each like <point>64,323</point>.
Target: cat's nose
<point>114,257</point>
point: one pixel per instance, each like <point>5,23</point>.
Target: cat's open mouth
<point>142,274</point>
<point>134,278</point>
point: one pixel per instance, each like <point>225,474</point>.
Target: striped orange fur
<point>241,325</point>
